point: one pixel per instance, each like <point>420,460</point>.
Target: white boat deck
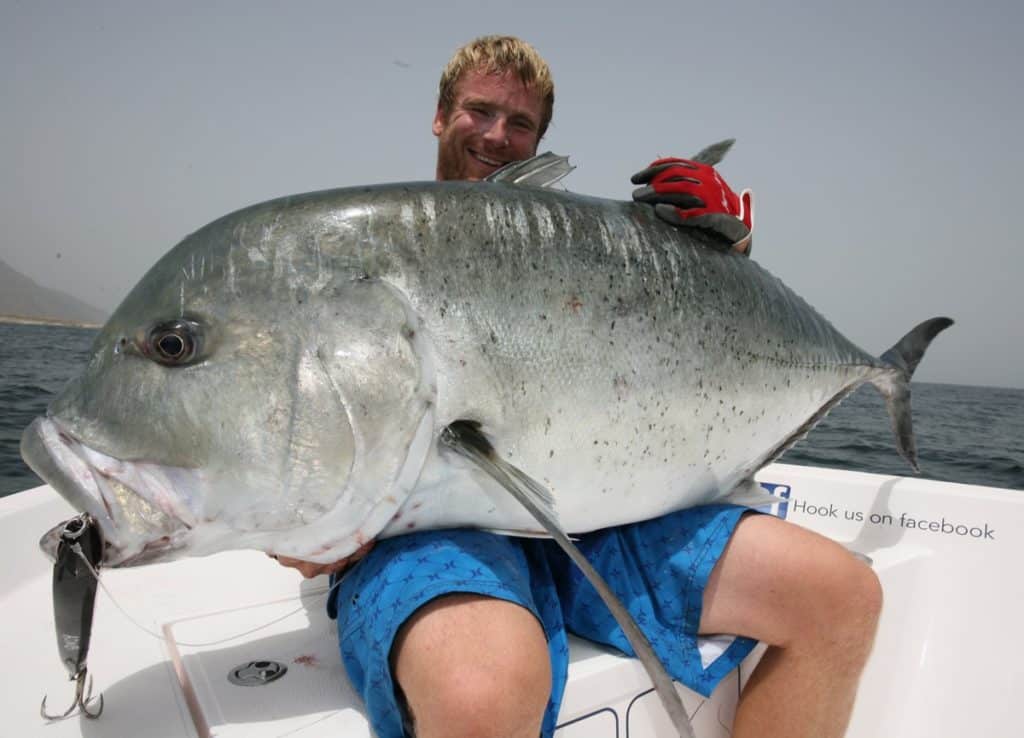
<point>946,662</point>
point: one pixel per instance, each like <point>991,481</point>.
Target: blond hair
<point>499,55</point>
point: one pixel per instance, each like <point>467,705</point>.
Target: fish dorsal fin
<point>543,170</point>
<point>465,438</point>
<point>715,152</point>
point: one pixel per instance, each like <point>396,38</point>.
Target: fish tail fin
<point>901,360</point>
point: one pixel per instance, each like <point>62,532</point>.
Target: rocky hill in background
<point>23,299</point>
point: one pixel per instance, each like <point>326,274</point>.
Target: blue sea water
<point>973,435</point>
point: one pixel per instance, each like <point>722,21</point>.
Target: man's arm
<point>310,569</point>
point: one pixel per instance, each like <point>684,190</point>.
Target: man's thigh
<point>771,575</point>
<point>660,569</point>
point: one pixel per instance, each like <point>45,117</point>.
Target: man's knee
<point>783,584</point>
<point>477,700</point>
<point>841,605</point>
<point>473,666</point>
<point>855,600</point>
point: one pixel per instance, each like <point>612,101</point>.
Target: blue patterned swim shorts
<point>659,568</point>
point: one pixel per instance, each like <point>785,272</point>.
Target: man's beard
<point>451,160</point>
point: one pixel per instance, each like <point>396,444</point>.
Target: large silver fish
<point>309,374</point>
<point>280,379</point>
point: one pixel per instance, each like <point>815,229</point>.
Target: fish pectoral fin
<point>749,493</point>
<point>543,170</point>
<point>465,438</point>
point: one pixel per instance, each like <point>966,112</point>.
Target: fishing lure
<point>75,579</point>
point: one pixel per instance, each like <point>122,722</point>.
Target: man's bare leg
<point>816,605</point>
<point>473,666</point>
<point>476,666</point>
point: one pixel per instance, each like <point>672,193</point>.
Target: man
<point>462,633</point>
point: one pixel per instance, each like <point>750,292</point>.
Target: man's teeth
<point>485,160</point>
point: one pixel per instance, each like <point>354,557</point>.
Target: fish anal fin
<point>800,433</point>
<point>750,493</point>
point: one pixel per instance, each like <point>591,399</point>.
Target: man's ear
<point>439,120</point>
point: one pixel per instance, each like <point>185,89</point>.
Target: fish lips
<point>134,529</point>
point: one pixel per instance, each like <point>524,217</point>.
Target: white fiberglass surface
<point>948,557</point>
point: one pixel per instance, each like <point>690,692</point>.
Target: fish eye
<point>174,343</point>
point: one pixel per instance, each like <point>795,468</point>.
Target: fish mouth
<point>134,503</point>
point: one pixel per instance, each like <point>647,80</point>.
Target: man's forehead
<point>481,84</point>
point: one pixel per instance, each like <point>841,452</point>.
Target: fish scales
<point>628,366</point>
<point>523,333</point>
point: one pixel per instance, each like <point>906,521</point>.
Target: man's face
<point>494,120</point>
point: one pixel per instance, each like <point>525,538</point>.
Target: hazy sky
<point>882,139</point>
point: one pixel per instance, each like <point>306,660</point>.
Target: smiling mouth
<point>486,159</point>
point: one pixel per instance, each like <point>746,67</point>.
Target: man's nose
<point>497,133</point>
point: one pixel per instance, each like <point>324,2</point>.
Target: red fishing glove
<point>689,193</point>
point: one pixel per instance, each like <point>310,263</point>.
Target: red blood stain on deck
<point>574,303</point>
<point>307,659</point>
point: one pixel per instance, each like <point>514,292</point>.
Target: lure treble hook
<point>83,699</point>
<point>75,579</point>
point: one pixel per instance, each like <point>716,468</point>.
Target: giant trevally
<point>280,379</point>
<point>311,373</point>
